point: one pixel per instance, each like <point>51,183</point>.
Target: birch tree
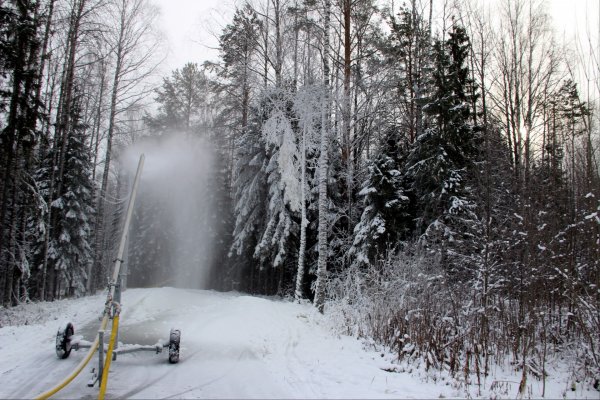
<point>323,166</point>
<point>134,44</point>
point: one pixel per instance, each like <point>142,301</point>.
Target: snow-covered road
<point>232,346</point>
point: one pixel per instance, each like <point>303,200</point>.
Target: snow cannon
<point>66,341</point>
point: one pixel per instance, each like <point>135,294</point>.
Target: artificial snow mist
<point>171,240</point>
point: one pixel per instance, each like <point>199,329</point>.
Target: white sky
<point>191,26</point>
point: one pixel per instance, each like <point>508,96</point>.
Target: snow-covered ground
<point>232,346</point>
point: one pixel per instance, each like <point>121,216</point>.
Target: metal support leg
<point>97,375</point>
<point>100,354</point>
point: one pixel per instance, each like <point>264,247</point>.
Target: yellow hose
<point>111,345</point>
<point>77,369</point>
<point>109,300</point>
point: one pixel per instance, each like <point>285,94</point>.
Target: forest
<point>428,172</point>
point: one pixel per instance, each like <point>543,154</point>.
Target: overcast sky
<point>191,26</point>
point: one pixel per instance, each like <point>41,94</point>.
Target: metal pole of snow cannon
<point>125,234</point>
<point>62,384</point>
<point>125,267</point>
<point>117,300</point>
<point>116,282</point>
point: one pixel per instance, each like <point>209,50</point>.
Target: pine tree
<point>243,148</point>
<point>238,44</point>
<point>182,99</point>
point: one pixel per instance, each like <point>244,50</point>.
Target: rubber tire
<point>174,339</point>
<point>63,341</point>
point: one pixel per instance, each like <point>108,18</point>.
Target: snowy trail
<point>233,346</point>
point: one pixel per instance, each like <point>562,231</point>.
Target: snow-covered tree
<point>70,242</point>
<point>307,103</point>
<point>282,171</point>
<point>20,42</point>
<point>323,167</point>
<point>385,220</point>
<point>439,163</point>
<point>249,197</point>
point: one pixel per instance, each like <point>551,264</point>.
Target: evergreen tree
<point>283,178</point>
<point>20,42</point>
<point>183,101</point>
<point>385,219</point>
<point>279,172</point>
<point>437,164</point>
<point>238,44</point>
<point>440,162</point>
<point>249,188</point>
<point>69,247</point>
<point>149,245</point>
<point>408,53</point>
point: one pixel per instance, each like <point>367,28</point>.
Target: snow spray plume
<point>171,237</point>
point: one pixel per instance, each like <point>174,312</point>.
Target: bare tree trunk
<point>62,131</point>
<point>299,294</point>
<point>278,42</point>
<point>25,52</point>
<point>266,49</point>
<point>44,55</point>
<point>130,57</point>
<point>319,301</point>
<point>101,209</point>
<point>296,35</point>
<point>346,113</point>
<point>96,143</point>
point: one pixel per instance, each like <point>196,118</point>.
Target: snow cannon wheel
<point>63,341</point>
<point>174,339</point>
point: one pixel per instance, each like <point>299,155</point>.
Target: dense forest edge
<point>428,172</point>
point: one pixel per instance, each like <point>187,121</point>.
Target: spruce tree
<point>385,219</point>
<point>284,181</point>
<point>407,49</point>
<point>20,42</point>
<point>70,241</point>
<point>249,199</point>
<point>441,161</point>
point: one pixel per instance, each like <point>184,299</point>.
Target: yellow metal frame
<point>79,367</point>
<point>109,303</point>
<point>111,346</point>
